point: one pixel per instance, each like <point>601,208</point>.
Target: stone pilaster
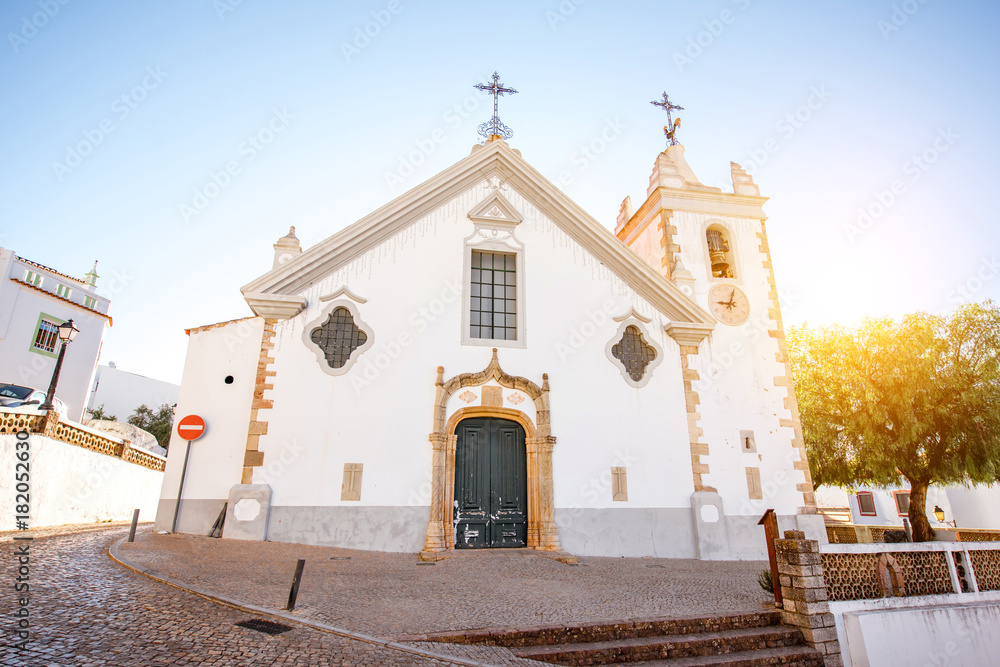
<point>253,457</point>
<point>436,528</point>
<point>543,533</point>
<point>695,432</point>
<point>804,595</point>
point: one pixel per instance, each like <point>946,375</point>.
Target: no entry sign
<point>191,427</point>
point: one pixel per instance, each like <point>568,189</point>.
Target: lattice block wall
<point>855,576</point>
<point>12,422</point>
<point>851,576</point>
<point>986,565</point>
<point>925,572</point>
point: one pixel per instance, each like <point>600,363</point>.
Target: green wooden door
<point>491,485</point>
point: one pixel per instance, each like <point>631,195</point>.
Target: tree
<point>917,400</point>
<point>158,423</point>
<point>98,413</point>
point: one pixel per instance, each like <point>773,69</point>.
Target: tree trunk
<point>922,531</point>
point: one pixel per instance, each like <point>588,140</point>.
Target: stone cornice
<point>689,333</point>
<point>698,201</point>
<point>275,306</point>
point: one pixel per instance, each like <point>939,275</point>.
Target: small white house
<point>121,392</point>
<point>976,507</point>
<point>34,301</point>
<point>482,364</point>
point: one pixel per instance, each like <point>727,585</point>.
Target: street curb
<point>115,555</point>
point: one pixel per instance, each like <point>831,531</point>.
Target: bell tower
<point>737,382</point>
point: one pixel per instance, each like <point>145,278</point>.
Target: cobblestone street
<point>87,610</point>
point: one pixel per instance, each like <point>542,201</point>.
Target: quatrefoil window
<point>634,353</point>
<point>338,337</point>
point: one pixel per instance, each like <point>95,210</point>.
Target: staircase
<point>745,640</point>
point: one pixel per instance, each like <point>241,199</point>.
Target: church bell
<point>717,249</point>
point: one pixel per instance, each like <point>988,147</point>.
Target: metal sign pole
<point>180,489</point>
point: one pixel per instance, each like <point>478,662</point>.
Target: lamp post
<point>67,332</point>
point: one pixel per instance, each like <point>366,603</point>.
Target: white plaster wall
<point>956,635</point>
<point>737,367</point>
<point>70,484</point>
<point>121,392</point>
<point>975,507</point>
<point>216,458</point>
<point>380,412</point>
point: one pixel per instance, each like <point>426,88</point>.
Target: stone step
<point>547,635</point>
<point>785,656</point>
<point>638,649</point>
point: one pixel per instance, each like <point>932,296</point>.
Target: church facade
<point>481,364</point>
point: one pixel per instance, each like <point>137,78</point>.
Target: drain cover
<point>267,627</point>
<point>340,558</point>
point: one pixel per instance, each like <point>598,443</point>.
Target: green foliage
<point>98,413</point>
<point>917,400</point>
<point>765,581</point>
<point>158,423</point>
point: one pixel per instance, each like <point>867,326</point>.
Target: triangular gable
<point>283,285</point>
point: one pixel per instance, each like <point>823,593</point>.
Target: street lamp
<point>939,515</point>
<point>67,332</point>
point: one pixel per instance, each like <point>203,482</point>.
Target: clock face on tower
<point>729,304</point>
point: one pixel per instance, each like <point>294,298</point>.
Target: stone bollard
<point>804,596</point>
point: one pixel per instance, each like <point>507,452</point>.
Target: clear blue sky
<point>162,94</point>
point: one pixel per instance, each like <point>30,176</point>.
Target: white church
<point>481,364</point>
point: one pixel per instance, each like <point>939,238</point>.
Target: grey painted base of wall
<point>397,529</point>
<point>656,532</point>
<point>196,516</point>
<point>668,533</point>
<point>614,532</point>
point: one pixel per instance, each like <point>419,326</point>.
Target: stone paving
<point>390,595</point>
<point>87,610</point>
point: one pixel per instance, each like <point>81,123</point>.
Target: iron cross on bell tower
<point>493,127</point>
<point>671,128</point>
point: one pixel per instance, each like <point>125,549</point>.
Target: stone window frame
<point>733,252</point>
<point>494,235</point>
<point>318,351</point>
<point>633,321</point>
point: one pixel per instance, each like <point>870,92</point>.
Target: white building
<point>481,363</point>
<point>34,301</point>
<point>121,392</point>
<point>964,507</point>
